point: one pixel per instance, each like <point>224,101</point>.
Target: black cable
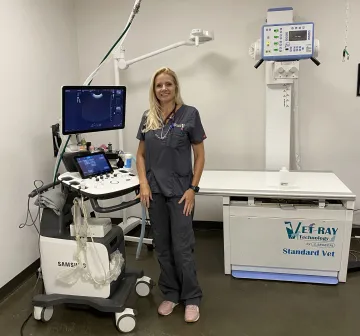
<point>28,318</point>
<point>60,158</point>
<point>24,324</point>
<point>146,219</point>
<point>22,225</point>
<point>114,45</point>
<point>28,213</point>
<point>38,215</point>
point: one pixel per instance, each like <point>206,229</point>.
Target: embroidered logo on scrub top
<point>179,126</point>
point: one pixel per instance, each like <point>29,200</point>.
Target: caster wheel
<point>144,286</point>
<point>125,321</point>
<point>43,314</point>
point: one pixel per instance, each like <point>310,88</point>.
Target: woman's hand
<point>189,198</point>
<point>145,194</point>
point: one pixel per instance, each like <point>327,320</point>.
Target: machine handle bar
<point>117,207</point>
<point>258,63</point>
<point>261,62</point>
<point>315,61</point>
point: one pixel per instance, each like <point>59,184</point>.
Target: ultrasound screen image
<point>93,109</point>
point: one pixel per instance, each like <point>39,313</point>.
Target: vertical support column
<point>278,105</point>
<point>278,125</point>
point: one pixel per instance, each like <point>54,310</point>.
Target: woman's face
<point>165,88</point>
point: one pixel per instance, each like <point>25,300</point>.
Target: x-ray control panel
<point>291,41</point>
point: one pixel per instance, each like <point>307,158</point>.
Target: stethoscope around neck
<point>171,118</point>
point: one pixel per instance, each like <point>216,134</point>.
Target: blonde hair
<point>154,120</point>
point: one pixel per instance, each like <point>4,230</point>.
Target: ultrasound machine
<point>83,259</point>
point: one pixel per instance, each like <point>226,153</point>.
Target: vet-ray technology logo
<point>311,232</point>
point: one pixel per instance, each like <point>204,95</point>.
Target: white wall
<point>38,56</point>
<point>220,80</point>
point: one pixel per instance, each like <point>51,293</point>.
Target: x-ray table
<point>299,232</point>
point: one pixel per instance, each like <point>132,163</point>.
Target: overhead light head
<point>199,36</point>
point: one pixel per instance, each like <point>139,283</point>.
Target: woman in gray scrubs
<point>168,183</point>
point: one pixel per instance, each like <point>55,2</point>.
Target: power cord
<point>28,213</point>
<point>24,324</point>
<point>31,314</point>
<point>33,223</point>
<point>38,215</point>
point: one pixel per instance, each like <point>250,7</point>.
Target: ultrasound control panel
<point>102,185</point>
<point>286,42</point>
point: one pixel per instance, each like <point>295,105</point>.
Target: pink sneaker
<point>166,308</point>
<point>192,313</point>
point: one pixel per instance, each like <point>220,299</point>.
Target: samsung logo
<point>69,264</point>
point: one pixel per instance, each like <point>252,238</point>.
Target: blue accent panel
<point>327,280</point>
<point>262,42</point>
<point>287,58</point>
<point>287,24</point>
<point>280,9</point>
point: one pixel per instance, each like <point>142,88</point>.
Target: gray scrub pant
<point>174,244</point>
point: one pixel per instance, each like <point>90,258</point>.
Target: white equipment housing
<point>300,232</point>
<point>98,227</point>
<point>282,68</point>
<point>58,256</point>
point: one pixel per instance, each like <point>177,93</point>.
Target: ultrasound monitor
<point>92,108</point>
<point>92,165</point>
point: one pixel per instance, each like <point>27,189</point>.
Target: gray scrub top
<point>168,161</point>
